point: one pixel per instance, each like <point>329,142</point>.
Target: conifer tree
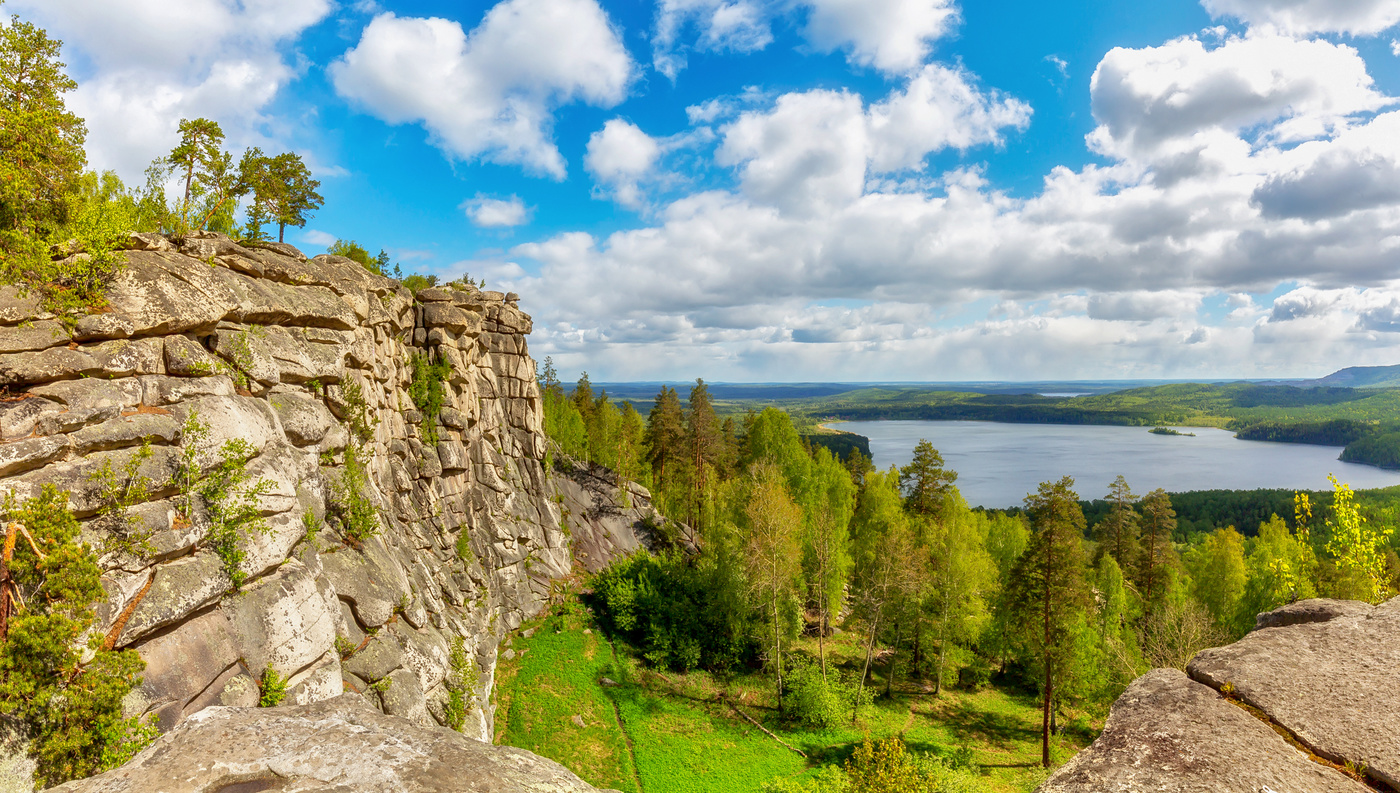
<point>1158,524</point>
<point>926,480</point>
<point>41,150</point>
<point>705,441</point>
<point>1048,592</point>
<point>665,435</point>
<point>1117,534</point>
<point>283,190</point>
<point>198,151</point>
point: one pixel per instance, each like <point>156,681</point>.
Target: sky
<point>821,190</point>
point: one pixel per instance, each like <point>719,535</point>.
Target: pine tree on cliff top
<point>1048,591</point>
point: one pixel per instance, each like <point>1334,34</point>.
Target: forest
<point>795,542</point>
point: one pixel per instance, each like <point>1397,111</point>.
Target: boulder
<point>1312,610</point>
<point>340,744</point>
<point>29,453</point>
<point>1170,734</point>
<point>183,663</point>
<point>93,393</point>
<point>281,621</point>
<point>179,589</point>
<point>18,416</point>
<point>39,335</point>
<point>1333,685</point>
<point>304,419</point>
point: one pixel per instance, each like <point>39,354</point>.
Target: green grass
<point>685,738</point>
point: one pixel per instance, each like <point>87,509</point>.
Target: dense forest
<point>793,540</point>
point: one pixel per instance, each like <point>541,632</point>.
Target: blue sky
<point>822,189</point>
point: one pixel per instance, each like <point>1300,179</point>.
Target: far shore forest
<point>789,542</point>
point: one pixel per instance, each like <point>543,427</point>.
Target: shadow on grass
<point>976,726</point>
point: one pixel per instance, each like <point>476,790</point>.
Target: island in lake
<point>1170,431</point>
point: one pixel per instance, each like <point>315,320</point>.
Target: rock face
<point>340,744</point>
<point>1326,674</point>
<point>307,360</point>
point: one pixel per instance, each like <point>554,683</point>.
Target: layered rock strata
<point>306,360</point>
<point>1312,693</point>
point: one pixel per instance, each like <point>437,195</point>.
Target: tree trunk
<point>778,651</point>
<point>869,647</point>
<point>281,228</point>
<point>889,678</point>
<point>1049,689</point>
<point>938,680</point>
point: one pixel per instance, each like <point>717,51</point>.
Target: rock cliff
<point>1308,701</point>
<point>304,359</point>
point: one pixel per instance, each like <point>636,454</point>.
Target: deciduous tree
<point>771,560</point>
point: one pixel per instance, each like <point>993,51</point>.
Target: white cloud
<point>815,149</point>
<point>719,26</point>
<point>214,58</point>
<point>490,94</point>
<point>489,212</point>
<point>619,156</point>
<point>1169,101</point>
<point>319,238</point>
<point>894,36</point>
<point>1395,47</point>
<point>1304,17</point>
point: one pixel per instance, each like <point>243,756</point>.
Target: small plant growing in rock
<point>272,688</point>
<point>428,390</point>
<point>315,386</point>
<point>344,647</point>
<point>70,711</point>
<point>231,504</point>
<point>357,410</point>
<point>312,525</point>
<point>241,351</point>
<point>462,678</point>
<point>464,548</point>
<point>118,493</point>
<point>381,686</point>
<point>350,501</point>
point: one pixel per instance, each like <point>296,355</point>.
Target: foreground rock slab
<point>1170,734</point>
<point>1332,682</point>
<point>341,744</point>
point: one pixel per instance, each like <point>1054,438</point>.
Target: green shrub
<point>232,505</point>
<point>428,390</point>
<point>350,500</point>
<point>675,611</point>
<point>462,679</point>
<point>272,688</point>
<point>118,493</point>
<point>820,702</point>
<point>70,712</point>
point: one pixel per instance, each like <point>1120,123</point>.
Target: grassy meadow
<point>656,731</point>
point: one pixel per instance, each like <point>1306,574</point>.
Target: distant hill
<point>1359,377</point>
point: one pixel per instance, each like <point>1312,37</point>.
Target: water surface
<point>998,464</point>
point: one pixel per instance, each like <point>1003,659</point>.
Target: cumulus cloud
<point>894,36</point>
<point>133,94</point>
<point>488,212</point>
<point>1232,168</point>
<point>619,156</point>
<point>491,93</point>
<point>1305,17</point>
<point>718,26</point>
<point>815,149</point>
<point>1184,98</point>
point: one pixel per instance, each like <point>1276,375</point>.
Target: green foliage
<point>311,525</point>
<point>272,688</point>
<point>925,480</point>
<point>283,191</point>
<point>357,412</point>
<point>231,503</point>
<point>564,424</point>
<point>416,282</point>
<point>379,265</point>
<point>462,679</point>
<point>821,701</point>
<point>676,610</point>
<point>1358,548</point>
<point>70,711</point>
<point>1218,573</point>
<point>344,647</point>
<point>350,500</point>
<point>428,390</point>
<point>117,494</point>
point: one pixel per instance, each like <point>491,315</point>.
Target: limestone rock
<point>1334,685</point>
<point>340,744</point>
<point>1170,734</point>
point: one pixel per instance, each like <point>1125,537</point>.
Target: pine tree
<point>41,151</point>
<point>665,435</point>
<point>283,191</point>
<point>925,480</point>
<point>1117,534</point>
<point>705,442</point>
<point>1048,592</point>
<point>197,152</point>
<point>1158,524</point>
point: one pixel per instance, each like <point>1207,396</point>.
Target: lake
<point>998,464</point>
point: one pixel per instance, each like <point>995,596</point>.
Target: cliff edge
<point>1308,701</point>
<point>316,364</point>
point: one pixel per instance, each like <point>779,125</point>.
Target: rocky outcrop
<point>1310,694</point>
<point>306,360</point>
<point>340,744</point>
